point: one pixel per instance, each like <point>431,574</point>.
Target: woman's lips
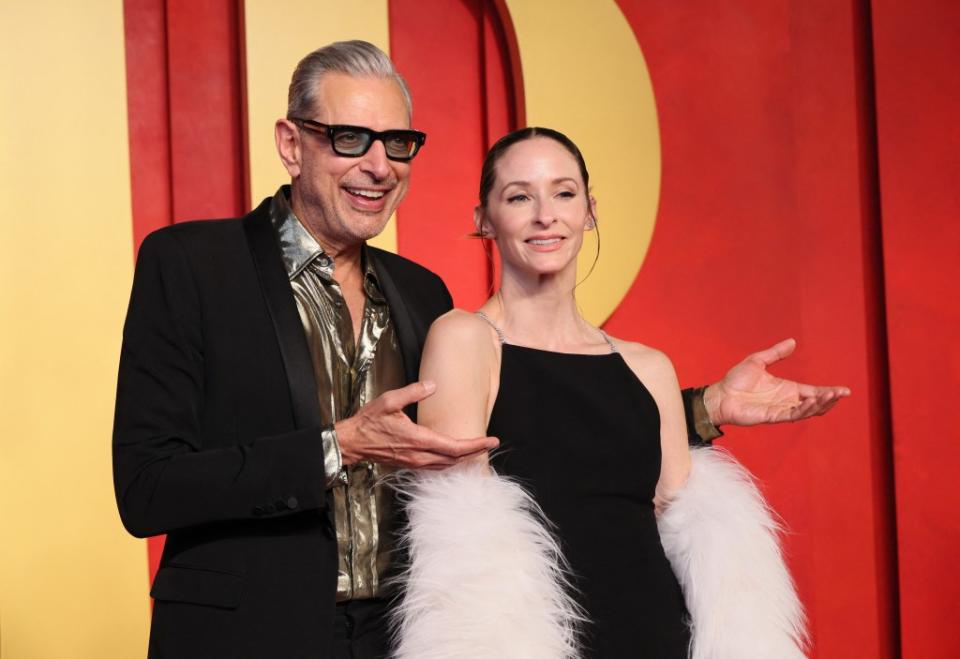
<point>545,243</point>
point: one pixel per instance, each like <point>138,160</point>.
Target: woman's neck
<point>542,314</point>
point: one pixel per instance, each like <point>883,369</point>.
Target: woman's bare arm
<point>462,358</point>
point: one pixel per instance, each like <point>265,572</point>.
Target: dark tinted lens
<point>350,142</point>
<point>400,144</point>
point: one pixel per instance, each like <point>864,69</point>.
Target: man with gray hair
<point>268,379</point>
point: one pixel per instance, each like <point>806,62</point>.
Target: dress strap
<point>500,334</point>
<point>606,337</point>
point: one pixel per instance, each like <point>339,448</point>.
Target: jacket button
<point>280,504</point>
<point>269,509</point>
<point>258,510</point>
<point>292,503</point>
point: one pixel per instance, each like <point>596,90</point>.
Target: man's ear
<point>288,145</point>
<point>481,223</point>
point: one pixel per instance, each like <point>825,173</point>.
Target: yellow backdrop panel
<point>584,75</point>
<point>276,41</point>
<point>72,582</point>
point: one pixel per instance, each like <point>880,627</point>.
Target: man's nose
<point>375,161</point>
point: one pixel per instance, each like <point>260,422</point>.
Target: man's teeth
<point>544,241</point>
<point>369,194</point>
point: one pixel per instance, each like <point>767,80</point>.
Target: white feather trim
<point>722,542</point>
<point>485,577</point>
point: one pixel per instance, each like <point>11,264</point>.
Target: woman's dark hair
<point>488,175</point>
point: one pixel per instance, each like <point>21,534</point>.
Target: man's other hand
<point>749,394</point>
<point>380,432</point>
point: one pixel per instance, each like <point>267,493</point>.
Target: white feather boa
<point>722,541</point>
<point>485,577</point>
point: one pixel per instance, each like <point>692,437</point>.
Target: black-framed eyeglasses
<point>355,141</point>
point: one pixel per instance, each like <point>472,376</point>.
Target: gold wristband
<point>701,417</point>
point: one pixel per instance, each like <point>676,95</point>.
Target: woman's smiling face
<point>538,208</point>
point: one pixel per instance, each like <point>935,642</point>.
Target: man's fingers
<point>397,399</point>
<point>808,390</point>
<point>775,353</point>
<point>468,447</point>
<point>803,410</point>
<point>437,461</point>
<point>433,460</point>
<point>430,440</point>
<point>813,401</point>
<point>817,406</point>
<point>827,407</point>
<point>458,448</point>
<point>426,460</point>
<point>472,456</point>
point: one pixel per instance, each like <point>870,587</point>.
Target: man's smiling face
<point>344,201</point>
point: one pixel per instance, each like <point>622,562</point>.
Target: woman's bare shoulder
<point>461,336</point>
<point>641,353</point>
<point>650,364</point>
<point>459,325</point>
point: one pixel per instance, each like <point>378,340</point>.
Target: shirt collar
<point>298,248</point>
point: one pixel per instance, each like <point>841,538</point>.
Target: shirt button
<point>258,510</point>
<point>269,509</point>
<point>292,503</point>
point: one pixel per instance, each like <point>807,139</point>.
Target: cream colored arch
<point>584,75</point>
<point>72,582</point>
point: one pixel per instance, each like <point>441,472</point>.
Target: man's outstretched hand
<point>749,395</point>
<point>380,432</point>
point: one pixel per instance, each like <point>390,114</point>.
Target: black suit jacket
<point>217,438</point>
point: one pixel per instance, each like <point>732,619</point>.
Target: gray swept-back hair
<point>355,58</point>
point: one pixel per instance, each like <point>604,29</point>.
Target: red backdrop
<point>917,52</point>
<point>809,190</point>
<point>767,229</point>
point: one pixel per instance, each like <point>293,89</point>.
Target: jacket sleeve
<point>700,431</point>
<point>165,477</point>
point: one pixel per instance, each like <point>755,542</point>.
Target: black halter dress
<point>582,434</point>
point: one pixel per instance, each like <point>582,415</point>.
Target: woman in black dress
<point>591,426</point>
<point>593,435</point>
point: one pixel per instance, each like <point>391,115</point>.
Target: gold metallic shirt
<point>350,371</point>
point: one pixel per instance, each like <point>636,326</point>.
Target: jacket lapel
<point>410,328</point>
<point>286,320</point>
